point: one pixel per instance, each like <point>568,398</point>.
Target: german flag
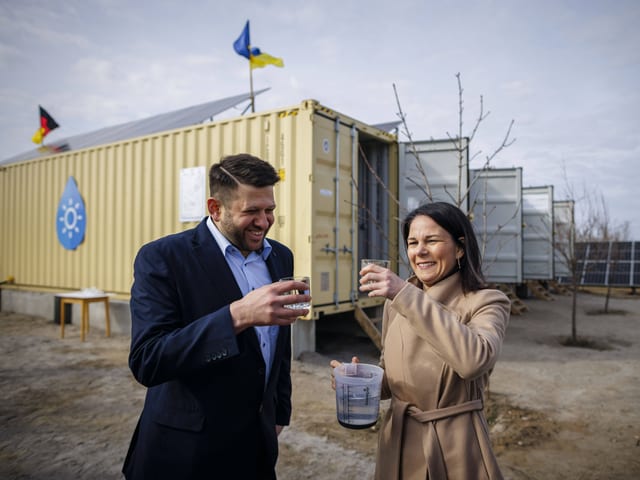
<point>47,123</point>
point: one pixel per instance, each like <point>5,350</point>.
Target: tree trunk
<point>574,306</point>
<point>606,299</point>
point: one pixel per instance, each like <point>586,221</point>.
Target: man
<point>211,337</point>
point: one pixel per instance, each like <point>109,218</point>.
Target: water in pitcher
<point>357,406</point>
<point>357,394</point>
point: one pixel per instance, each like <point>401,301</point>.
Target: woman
<point>442,332</point>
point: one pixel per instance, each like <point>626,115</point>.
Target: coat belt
<point>390,468</point>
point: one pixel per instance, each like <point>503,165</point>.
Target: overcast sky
<point>567,73</point>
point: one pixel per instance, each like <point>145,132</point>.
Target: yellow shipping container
<point>335,203</point>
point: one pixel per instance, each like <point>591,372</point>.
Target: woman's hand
<point>335,363</point>
<point>380,282</point>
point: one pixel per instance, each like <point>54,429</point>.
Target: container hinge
<point>328,249</point>
<point>344,249</point>
<point>354,297</point>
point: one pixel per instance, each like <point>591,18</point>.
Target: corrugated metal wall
<point>130,191</point>
<point>563,236</point>
<point>537,233</point>
<point>442,174</point>
<point>495,200</point>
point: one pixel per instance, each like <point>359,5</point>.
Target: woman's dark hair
<point>454,221</point>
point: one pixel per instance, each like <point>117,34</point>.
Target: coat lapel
<point>275,267</point>
<point>214,265</point>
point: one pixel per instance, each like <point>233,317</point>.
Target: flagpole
<point>253,98</point>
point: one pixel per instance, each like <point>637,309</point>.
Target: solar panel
<point>158,123</point>
<point>619,274</point>
<point>607,263</point>
<point>621,251</point>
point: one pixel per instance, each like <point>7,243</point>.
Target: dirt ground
<point>68,408</point>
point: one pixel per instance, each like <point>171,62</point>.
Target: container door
<point>495,204</point>
<point>430,171</point>
<point>335,212</point>
<point>373,200</point>
<point>563,235</point>
<point>537,233</point>
<point>375,195</point>
<point>351,192</point>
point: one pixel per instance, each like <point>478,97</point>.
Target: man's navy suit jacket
<point>207,411</point>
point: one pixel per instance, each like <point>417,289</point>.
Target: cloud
<point>567,74</point>
<point>29,26</point>
<point>8,54</point>
<point>517,88</point>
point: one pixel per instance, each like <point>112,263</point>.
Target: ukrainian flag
<point>257,59</point>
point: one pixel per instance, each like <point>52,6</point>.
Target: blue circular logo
<point>71,219</point>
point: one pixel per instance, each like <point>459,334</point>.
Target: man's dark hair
<point>454,221</point>
<point>243,168</point>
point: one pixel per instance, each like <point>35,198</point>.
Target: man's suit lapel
<point>213,263</point>
<point>274,266</point>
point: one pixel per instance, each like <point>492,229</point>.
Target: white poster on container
<point>192,194</point>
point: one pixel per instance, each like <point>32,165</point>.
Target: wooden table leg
<point>106,317</point>
<point>84,327</point>
<point>62,319</point>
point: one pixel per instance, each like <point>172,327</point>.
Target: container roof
<point>158,123</point>
<point>388,126</point>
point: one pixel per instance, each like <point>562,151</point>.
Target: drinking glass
<point>375,261</point>
<point>300,305</point>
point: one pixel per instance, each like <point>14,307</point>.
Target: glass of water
<point>374,261</point>
<point>306,291</point>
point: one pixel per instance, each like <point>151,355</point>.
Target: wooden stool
<point>84,300</point>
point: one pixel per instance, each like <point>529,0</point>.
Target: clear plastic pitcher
<point>357,394</point>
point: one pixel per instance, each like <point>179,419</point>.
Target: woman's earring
<point>459,267</point>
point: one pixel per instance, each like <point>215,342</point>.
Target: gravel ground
<point>68,408</point>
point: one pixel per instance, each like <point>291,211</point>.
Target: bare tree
<point>461,143</point>
<point>459,197</point>
<point>595,227</point>
<point>421,180</point>
<point>565,249</point>
<point>602,229</point>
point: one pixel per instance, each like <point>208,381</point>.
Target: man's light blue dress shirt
<point>250,273</point>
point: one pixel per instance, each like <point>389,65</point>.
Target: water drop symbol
<point>71,219</point>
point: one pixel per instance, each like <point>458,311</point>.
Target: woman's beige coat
<point>438,349</point>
